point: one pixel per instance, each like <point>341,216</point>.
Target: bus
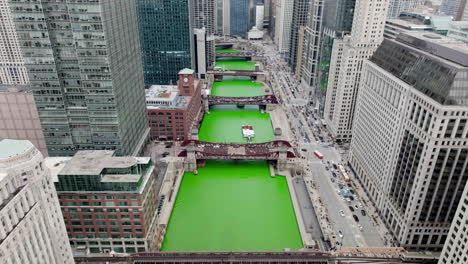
<point>343,173</point>
<point>318,154</point>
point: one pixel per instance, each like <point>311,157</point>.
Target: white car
<point>342,213</point>
<point>356,206</point>
<point>360,227</point>
<point>340,234</point>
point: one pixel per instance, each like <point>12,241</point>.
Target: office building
<point>451,7</point>
<point>458,30</point>
<point>204,17</point>
<point>282,25</point>
<point>395,7</point>
<point>18,116</point>
<point>410,146</point>
<point>299,18</point>
<point>31,229</point>
<point>416,21</point>
<point>85,72</point>
<point>462,12</point>
<point>455,248</point>
<point>12,69</point>
<point>108,202</point>
<point>259,16</point>
<point>241,17</point>
<point>174,110</point>
<point>166,38</point>
<point>312,34</point>
<point>348,55</point>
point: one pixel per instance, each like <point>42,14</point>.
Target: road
<point>310,135</point>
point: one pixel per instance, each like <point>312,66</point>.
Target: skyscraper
<point>240,16</point>
<point>84,67</point>
<point>284,12</point>
<point>204,16</point>
<point>299,18</point>
<point>395,7</point>
<point>451,7</point>
<point>166,38</point>
<point>32,228</point>
<point>455,248</point>
<point>335,22</point>
<point>410,146</point>
<point>348,55</point>
<point>12,69</point>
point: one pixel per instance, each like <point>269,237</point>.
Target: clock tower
<point>186,82</point>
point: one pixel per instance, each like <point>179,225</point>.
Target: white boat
<point>248,132</point>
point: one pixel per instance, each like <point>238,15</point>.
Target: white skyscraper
<point>455,248</point>
<point>32,229</point>
<point>12,69</point>
<point>410,145</point>
<point>284,11</point>
<point>348,56</point>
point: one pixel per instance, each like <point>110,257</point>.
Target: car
<point>305,150</point>
<point>351,208</point>
<point>351,197</point>
<point>326,167</point>
<point>342,213</point>
<point>356,207</point>
<point>348,200</point>
<point>334,166</point>
<point>360,204</point>
<point>360,227</point>
<point>340,234</point>
<point>349,185</point>
<point>332,180</point>
<point>355,218</point>
<point>351,191</point>
<point>363,212</point>
<point>334,174</point>
<point>340,185</point>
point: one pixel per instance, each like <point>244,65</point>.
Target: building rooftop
<point>164,97</point>
<point>55,165</point>
<point>409,23</point>
<point>186,71</point>
<point>93,162</point>
<point>11,147</point>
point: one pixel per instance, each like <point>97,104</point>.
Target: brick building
<point>108,203</point>
<point>173,110</point>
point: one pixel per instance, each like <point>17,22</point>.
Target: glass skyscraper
<point>240,17</point>
<point>166,39</point>
<point>84,66</point>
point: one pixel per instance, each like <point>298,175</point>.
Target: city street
<point>310,135</point>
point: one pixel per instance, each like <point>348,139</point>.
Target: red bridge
<point>259,75</point>
<point>255,151</point>
<point>242,54</point>
<point>254,100</point>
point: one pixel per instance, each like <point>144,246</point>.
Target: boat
<point>248,132</point>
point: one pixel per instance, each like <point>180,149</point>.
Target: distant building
<point>462,12</point>
<point>108,203</point>
<point>32,228</point>
<point>259,16</point>
<point>85,73</point>
<point>410,143</point>
<point>240,16</point>
<point>345,70</point>
<point>414,21</point>
<point>166,38</point>
<point>397,6</point>
<point>451,7</point>
<point>200,51</point>
<point>282,24</point>
<point>455,248</point>
<point>12,69</point>
<point>299,18</point>
<point>255,34</point>
<point>174,110</point>
<point>18,116</point>
<point>203,15</point>
<point>458,30</point>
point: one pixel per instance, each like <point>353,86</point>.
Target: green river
<point>233,205</point>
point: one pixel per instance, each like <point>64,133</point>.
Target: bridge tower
<point>206,104</point>
<point>282,157</point>
<point>190,162</point>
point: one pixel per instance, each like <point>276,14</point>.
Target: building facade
<point>455,248</point>
<point>18,116</point>
<point>451,7</point>
<point>395,7</point>
<point>108,203</point>
<point>85,71</point>
<point>282,24</point>
<point>174,110</point>
<point>31,229</point>
<point>166,38</point>
<point>239,17</point>
<point>300,14</point>
<point>204,16</point>
<point>458,30</point>
<point>347,57</point>
<point>12,69</point>
<point>409,148</point>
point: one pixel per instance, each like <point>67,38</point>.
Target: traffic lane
<point>334,204</point>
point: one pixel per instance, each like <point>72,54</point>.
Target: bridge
<point>303,256</point>
<point>241,54</point>
<point>254,100</point>
<point>256,75</point>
